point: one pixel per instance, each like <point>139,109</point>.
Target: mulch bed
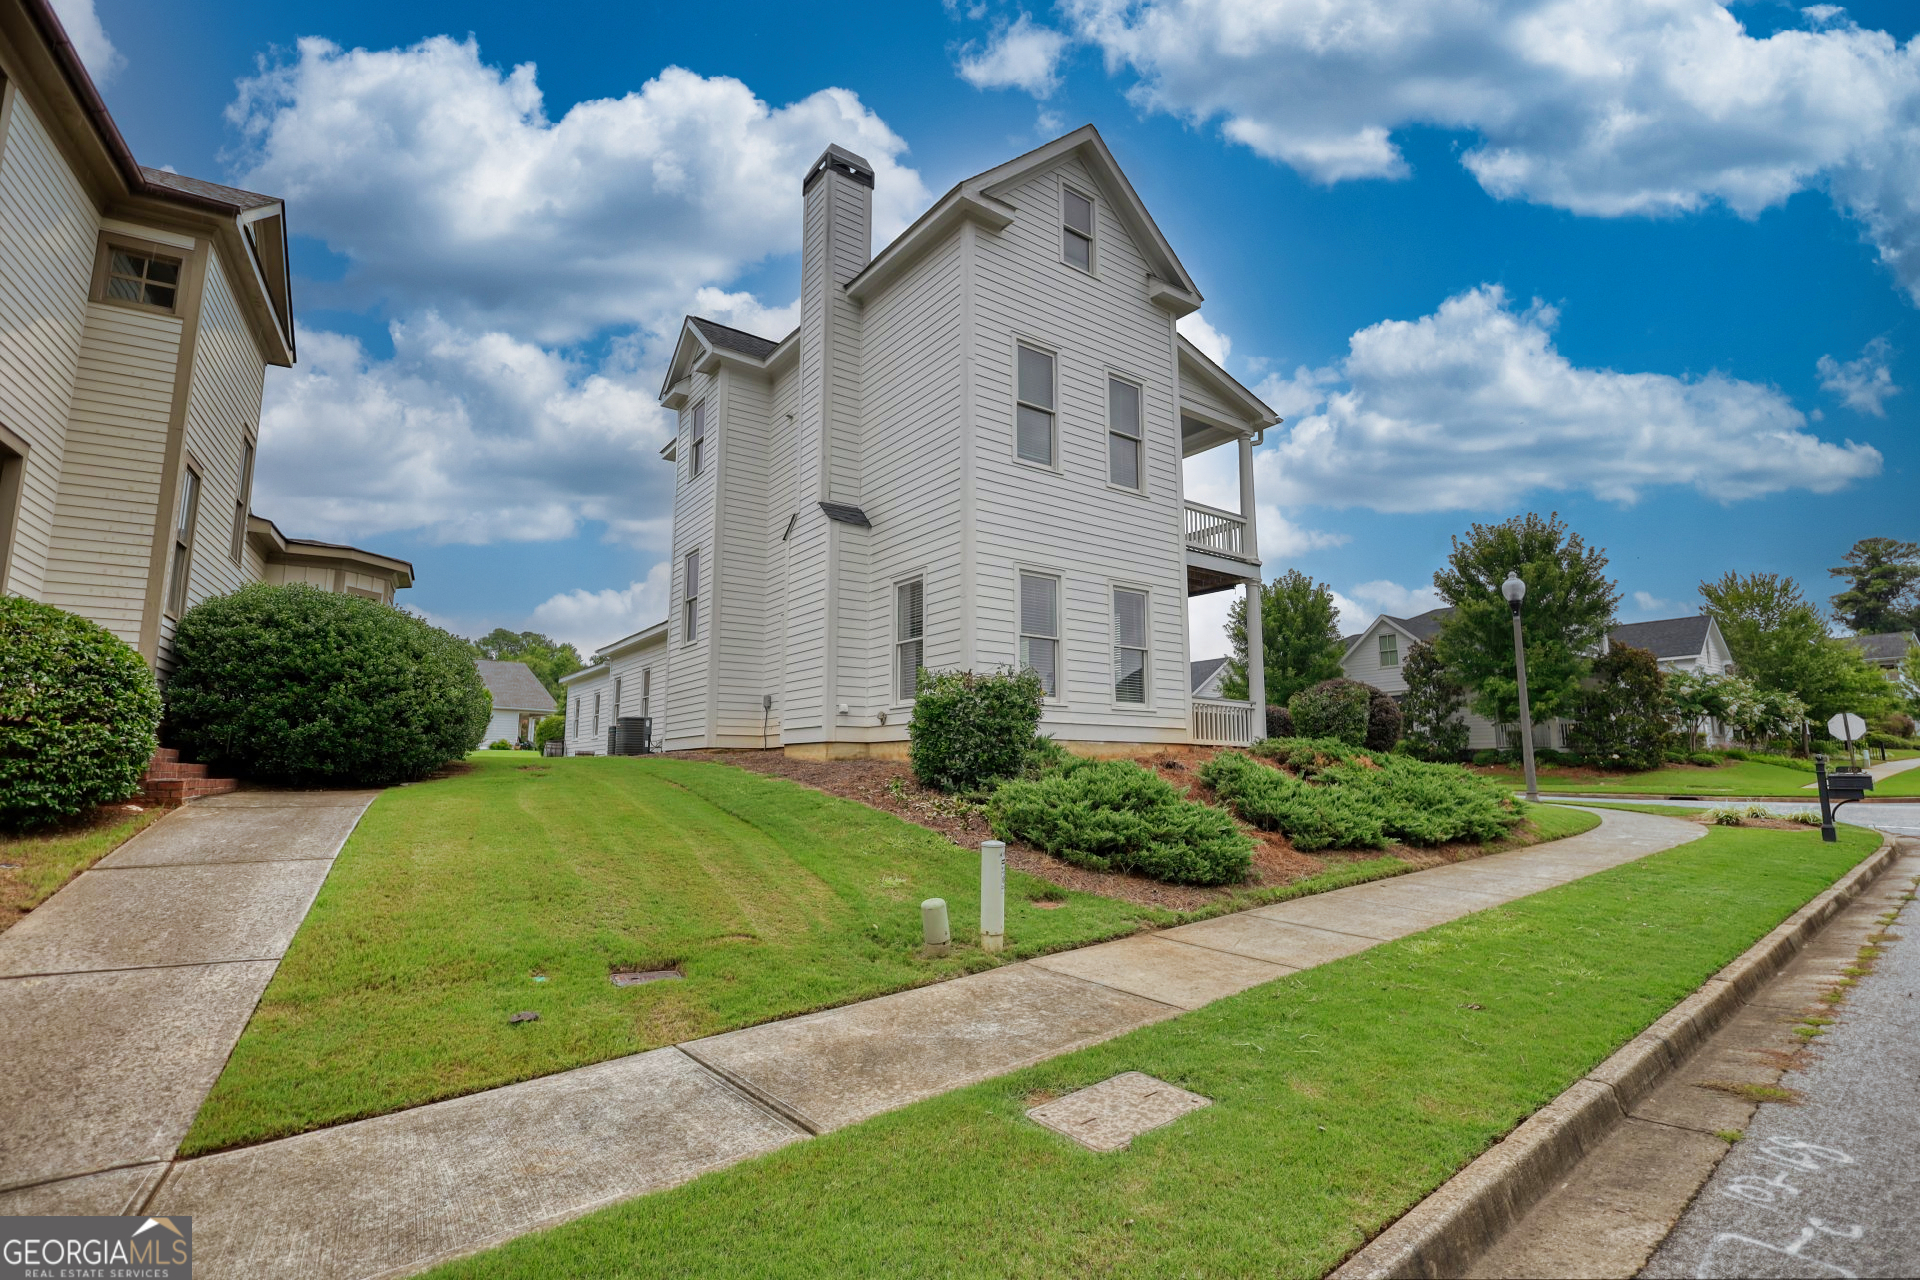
<point>888,785</point>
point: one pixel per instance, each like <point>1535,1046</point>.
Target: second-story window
<point>1076,231</point>
<point>909,637</point>
<point>691,601</point>
<point>1040,629</point>
<point>1129,646</point>
<point>1389,649</point>
<point>697,440</point>
<point>183,541</point>
<point>1033,432</point>
<point>143,278</point>
<point>243,500</point>
<point>1123,433</point>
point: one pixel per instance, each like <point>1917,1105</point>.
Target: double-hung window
<point>691,599</point>
<point>909,637</point>
<point>646,691</point>
<point>616,701</point>
<point>1033,430</point>
<point>697,440</point>
<point>1129,646</point>
<point>189,517</point>
<point>1076,230</point>
<point>243,501</point>
<point>1123,433</point>
<point>1040,629</point>
<point>1389,649</point>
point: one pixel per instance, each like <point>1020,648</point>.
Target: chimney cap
<point>840,160</point>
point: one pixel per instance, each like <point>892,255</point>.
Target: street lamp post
<point>1515,591</point>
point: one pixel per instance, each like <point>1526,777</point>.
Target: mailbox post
<point>1836,789</point>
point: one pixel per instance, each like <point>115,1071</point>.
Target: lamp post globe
<point>1515,591</point>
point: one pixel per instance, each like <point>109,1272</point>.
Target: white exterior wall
<point>582,737</point>
<point>1070,521</point>
<point>740,578</point>
<point>502,724</point>
<point>49,229</point>
<point>686,721</point>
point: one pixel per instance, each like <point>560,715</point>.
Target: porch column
<point>1256,660</point>
<point>1249,505</point>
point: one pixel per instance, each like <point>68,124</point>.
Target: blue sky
<point>1655,270</point>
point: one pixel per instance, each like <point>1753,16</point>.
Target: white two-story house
<point>967,456</point>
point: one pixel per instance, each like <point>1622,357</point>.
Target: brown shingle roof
<point>514,687</point>
<point>207,190</point>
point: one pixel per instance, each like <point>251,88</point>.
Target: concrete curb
<point>1446,1232</point>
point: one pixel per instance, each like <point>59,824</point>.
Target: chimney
<point>836,242</point>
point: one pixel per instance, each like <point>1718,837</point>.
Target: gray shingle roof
<point>731,339</point>
<point>208,190</point>
<point>1666,637</point>
<point>1891,646</point>
<point>1203,669</point>
<point>1425,626</point>
<point>514,687</point>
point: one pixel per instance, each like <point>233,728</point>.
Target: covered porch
<point>1223,554</point>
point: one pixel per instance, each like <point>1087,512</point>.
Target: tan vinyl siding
<point>222,404</point>
<point>1070,521</point>
<point>48,232</point>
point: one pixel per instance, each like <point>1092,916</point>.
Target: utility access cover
<point>1109,1115</point>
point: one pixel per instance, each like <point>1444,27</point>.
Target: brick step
<point>166,755</point>
<point>174,772</point>
<point>181,790</point>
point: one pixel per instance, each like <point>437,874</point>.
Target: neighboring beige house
<point>625,678</point>
<point>968,455</point>
<point>520,701</point>
<point>139,310</point>
<point>1680,644</point>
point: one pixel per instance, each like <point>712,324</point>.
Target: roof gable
<point>1666,637</point>
<point>514,686</point>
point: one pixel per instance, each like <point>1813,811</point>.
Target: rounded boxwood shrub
<point>969,730</point>
<point>78,714</point>
<point>297,685</point>
<point>1279,722</point>
<point>550,729</point>
<point>1334,708</point>
<point>1383,721</point>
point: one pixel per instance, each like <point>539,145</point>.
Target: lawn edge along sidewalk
<point>1446,1232</point>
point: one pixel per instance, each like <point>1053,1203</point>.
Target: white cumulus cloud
<point>1195,329</point>
<point>89,37</point>
<point>1625,107</point>
<point>1018,55</point>
<point>1472,407</point>
<point>1863,383</point>
<point>444,183</point>
<point>590,619</point>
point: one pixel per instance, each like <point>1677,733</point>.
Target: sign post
<point>1849,726</point>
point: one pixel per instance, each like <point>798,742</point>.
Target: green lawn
<point>33,868</point>
<point>1342,1096</point>
<point>1905,783</point>
<point>1740,778</point>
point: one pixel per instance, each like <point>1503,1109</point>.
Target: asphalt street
<point>1825,1185</point>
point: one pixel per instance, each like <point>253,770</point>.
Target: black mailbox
<point>1846,784</point>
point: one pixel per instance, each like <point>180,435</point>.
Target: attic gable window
<point>1076,231</point>
<point>141,278</point>
<point>697,440</point>
<point>1389,649</point>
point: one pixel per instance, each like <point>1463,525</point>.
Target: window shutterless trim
<point>1079,235</point>
<point>1116,431</point>
<point>909,630</point>
<point>243,501</point>
<point>696,438</point>
<point>187,520</point>
<point>13,470</point>
<point>690,596</point>
<point>1023,634</point>
<point>139,274</point>
<point>1050,408</point>
<point>1122,645</point>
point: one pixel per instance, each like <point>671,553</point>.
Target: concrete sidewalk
<point>123,994</point>
<point>394,1194</point>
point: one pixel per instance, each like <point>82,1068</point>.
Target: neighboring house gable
<point>1681,644</point>
<point>1207,675</point>
<point>1885,651</point>
<point>519,699</point>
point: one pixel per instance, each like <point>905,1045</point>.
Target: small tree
<point>969,730</point>
<point>1569,607</point>
<point>1695,697</point>
<point>1333,709</point>
<point>1436,728</point>
<point>1384,721</point>
<point>1300,627</point>
<point>1623,711</point>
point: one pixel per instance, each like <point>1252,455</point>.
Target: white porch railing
<point>1220,723</point>
<point>1210,529</point>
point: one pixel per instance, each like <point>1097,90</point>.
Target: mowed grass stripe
<point>1342,1096</point>
<point>453,897</point>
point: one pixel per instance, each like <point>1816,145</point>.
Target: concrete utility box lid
<point>1107,1116</point>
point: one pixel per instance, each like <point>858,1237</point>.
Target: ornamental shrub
<point>970,731</point>
<point>551,728</point>
<point>1434,723</point>
<point>1332,709</point>
<point>1383,721</point>
<point>78,714</point>
<point>1362,802</point>
<point>1279,722</point>
<point>297,685</point>
<point>1114,815</point>
<point>1623,714</point>
<point>499,744</point>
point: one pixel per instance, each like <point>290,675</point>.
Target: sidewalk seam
<point>1454,1224</point>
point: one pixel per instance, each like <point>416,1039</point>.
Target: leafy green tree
<point>1883,587</point>
<point>1432,707</point>
<point>1910,680</point>
<point>1780,642</point>
<point>1623,713</point>
<point>546,657</point>
<point>1569,607</point>
<point>1301,629</point>
<point>1696,697</point>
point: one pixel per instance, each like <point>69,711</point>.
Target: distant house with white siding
<point>967,456</point>
<point>520,701</point>
<point>1886,650</point>
<point>139,310</point>
<point>1206,675</point>
<point>624,679</point>
<point>1680,644</point>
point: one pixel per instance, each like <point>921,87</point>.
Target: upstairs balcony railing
<point>1221,532</point>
